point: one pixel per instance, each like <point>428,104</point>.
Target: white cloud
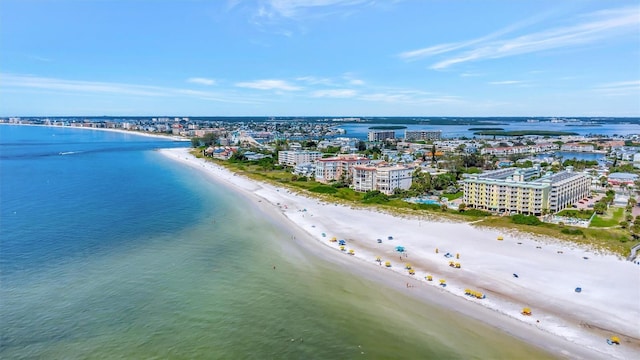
<point>201,81</point>
<point>268,84</point>
<point>468,74</point>
<point>312,80</point>
<point>619,88</point>
<point>408,97</point>
<point>594,27</point>
<point>506,82</point>
<point>294,8</point>
<point>334,93</point>
<point>11,81</point>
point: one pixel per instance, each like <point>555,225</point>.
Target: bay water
<point>110,250</point>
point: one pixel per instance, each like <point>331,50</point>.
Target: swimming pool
<point>425,201</point>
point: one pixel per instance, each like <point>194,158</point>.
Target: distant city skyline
<point>320,58</point>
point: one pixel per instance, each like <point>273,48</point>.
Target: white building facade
<point>385,179</point>
<point>296,157</point>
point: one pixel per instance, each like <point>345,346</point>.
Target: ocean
<point>110,250</point>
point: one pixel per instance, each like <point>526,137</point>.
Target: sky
<point>320,58</point>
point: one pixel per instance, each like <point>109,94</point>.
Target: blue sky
<point>320,58</point>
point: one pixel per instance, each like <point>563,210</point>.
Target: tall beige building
<point>522,191</point>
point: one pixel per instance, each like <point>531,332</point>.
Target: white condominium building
<point>422,135</point>
<point>510,190</point>
<point>381,135</point>
<point>335,168</point>
<point>382,178</point>
<point>296,157</point>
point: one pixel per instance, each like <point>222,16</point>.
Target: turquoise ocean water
<point>109,250</point>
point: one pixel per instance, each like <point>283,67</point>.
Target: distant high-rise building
<point>381,135</point>
<point>410,135</point>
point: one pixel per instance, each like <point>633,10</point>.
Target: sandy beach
<point>518,271</point>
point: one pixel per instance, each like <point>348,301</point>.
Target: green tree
<point>600,207</point>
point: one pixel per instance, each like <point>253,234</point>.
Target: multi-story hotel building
<point>410,135</point>
<point>297,157</point>
<point>512,190</point>
<point>381,135</point>
<point>382,178</point>
<point>334,168</point>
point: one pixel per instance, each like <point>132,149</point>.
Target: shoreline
<point>121,131</point>
<point>568,324</point>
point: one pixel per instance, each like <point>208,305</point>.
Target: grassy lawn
<point>615,240</point>
<point>453,196</point>
<point>578,214</point>
<point>611,218</point>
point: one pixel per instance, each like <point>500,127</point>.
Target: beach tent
<point>400,248</point>
<point>389,237</point>
<point>387,264</point>
<point>526,311</point>
<point>500,237</point>
<point>352,252</point>
<point>341,248</point>
<point>412,272</point>
<point>342,242</point>
<point>408,266</point>
<point>429,277</point>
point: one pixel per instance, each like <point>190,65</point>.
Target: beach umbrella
<point>400,248</point>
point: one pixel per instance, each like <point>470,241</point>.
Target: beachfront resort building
<point>523,191</point>
<point>384,178</point>
<point>296,157</point>
<point>413,135</point>
<point>381,135</point>
<point>337,167</point>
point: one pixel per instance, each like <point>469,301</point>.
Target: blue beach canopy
<point>400,248</point>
